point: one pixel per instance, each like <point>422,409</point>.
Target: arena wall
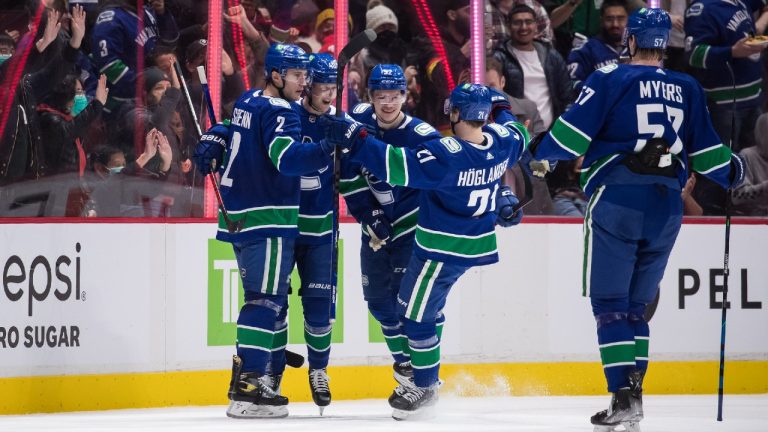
<point>125,315</point>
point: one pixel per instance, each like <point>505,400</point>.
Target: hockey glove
<point>738,170</point>
<point>506,201</point>
<point>499,102</point>
<point>211,147</point>
<point>342,131</point>
<point>536,168</point>
<point>378,227</point>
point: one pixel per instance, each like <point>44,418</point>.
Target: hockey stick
<point>528,198</point>
<point>726,253</point>
<point>232,226</point>
<point>292,359</point>
<point>360,41</point>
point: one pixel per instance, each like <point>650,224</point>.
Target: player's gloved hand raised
<point>378,228</point>
<point>506,201</point>
<point>342,131</point>
<point>211,147</point>
<point>499,102</point>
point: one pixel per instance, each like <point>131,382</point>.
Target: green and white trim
<point>277,149</point>
<point>588,173</point>
<point>587,265</point>
<point>254,338</point>
<point>463,246</point>
<point>318,342</point>
<point>569,137</point>
<point>618,354</point>
<point>699,55</point>
<point>405,224</point>
<point>262,218</point>
<point>641,348</point>
<point>316,225</point>
<point>742,92</point>
<point>272,261</point>
<point>422,289</point>
<point>352,186</point>
<point>396,165</point>
<point>425,358</point>
<point>710,159</point>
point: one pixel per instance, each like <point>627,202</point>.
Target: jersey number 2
<point>226,180</point>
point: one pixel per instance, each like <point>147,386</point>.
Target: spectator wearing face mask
<point>64,120</point>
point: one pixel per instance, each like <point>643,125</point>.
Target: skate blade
<point>628,426</point>
<point>246,410</point>
<point>425,413</point>
<point>321,410</point>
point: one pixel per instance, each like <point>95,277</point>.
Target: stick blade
<point>360,41</point>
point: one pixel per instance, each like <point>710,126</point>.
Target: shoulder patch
<point>105,16</point>
<point>499,129</point>
<point>360,108</point>
<point>424,129</point>
<point>451,144</point>
<point>609,68</point>
<point>695,10</point>
<point>280,102</point>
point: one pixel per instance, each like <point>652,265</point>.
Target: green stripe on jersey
<point>273,265</point>
<point>709,159</point>
<point>255,337</point>
<point>698,57</point>
<point>740,93</point>
<point>115,71</point>
<point>353,185</point>
<point>616,354</point>
<point>277,147</point>
<point>280,340</point>
<point>312,225</point>
<point>587,173</point>
<point>397,344</point>
<point>266,217</point>
<point>641,347</point>
<point>520,128</point>
<point>457,245</point>
<point>569,137</point>
<point>397,167</point>
<point>318,342</point>
<point>405,224</point>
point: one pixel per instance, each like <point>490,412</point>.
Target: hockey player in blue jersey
<point>386,212</point>
<point>460,190</point>
<point>603,49</point>
<point>313,246</point>
<point>116,41</point>
<point>260,187</point>
<point>641,129</point>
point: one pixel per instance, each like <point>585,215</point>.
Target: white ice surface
<point>531,414</point>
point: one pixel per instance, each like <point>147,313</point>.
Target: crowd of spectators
<point>94,120</point>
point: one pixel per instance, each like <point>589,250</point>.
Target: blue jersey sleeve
<point>705,47</point>
<point>282,136</point>
<point>518,131</point>
<point>579,66</point>
<point>706,153</point>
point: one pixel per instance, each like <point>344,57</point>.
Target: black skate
<point>251,396</point>
<point>403,373</point>
<point>318,385</point>
<point>274,382</point>
<point>413,402</point>
<point>625,411</point>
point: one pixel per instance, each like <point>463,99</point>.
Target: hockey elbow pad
<point>738,170</point>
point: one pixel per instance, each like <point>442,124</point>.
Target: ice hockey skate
<point>403,373</point>
<point>318,385</point>
<point>623,414</point>
<point>413,403</point>
<point>251,396</point>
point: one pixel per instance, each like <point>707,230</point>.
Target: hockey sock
<point>617,348</point>
<point>317,330</point>
<point>439,322</point>
<point>385,312</point>
<point>425,351</point>
<point>277,361</point>
<point>642,335</point>
<point>255,333</point>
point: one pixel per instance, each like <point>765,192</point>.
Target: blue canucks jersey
<point>591,56</point>
<point>316,204</point>
<point>713,26</point>
<point>458,182</point>
<point>363,190</point>
<point>620,107</point>
<point>260,178</point>
<point>116,41</point>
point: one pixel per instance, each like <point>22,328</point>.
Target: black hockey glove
<point>506,201</point>
<point>342,131</point>
<point>211,147</point>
